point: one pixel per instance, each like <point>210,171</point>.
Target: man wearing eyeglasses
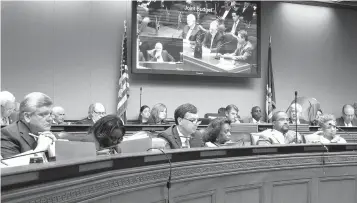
<point>95,112</point>
<point>280,134</point>
<point>348,117</point>
<point>184,134</point>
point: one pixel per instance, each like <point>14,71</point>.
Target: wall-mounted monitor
<point>208,38</point>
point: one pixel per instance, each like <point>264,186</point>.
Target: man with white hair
<point>191,30</point>
<point>348,116</point>
<point>95,112</point>
<point>295,114</point>
<point>159,55</point>
<point>31,133</point>
<point>7,107</point>
<point>213,38</point>
<point>58,115</point>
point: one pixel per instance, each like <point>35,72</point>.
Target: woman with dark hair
<point>217,133</point>
<point>144,114</point>
<point>107,133</point>
<point>158,114</point>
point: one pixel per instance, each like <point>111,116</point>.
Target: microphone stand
<point>296,118</point>
<point>141,89</point>
<point>341,129</point>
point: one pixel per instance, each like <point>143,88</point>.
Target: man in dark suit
<point>256,115</point>
<point>225,12</point>
<point>247,12</point>
<point>159,55</point>
<point>237,24</point>
<point>8,106</point>
<point>184,134</point>
<point>348,116</point>
<point>32,132</point>
<point>191,30</point>
<point>213,39</point>
<point>95,112</point>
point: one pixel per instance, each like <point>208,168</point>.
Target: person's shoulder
<point>168,131</point>
<point>11,129</point>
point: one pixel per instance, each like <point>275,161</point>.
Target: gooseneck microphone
<point>296,129</point>
<point>141,91</point>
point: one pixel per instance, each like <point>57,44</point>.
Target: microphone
<point>219,47</point>
<point>141,91</point>
<point>296,115</point>
<point>168,183</point>
<point>340,129</point>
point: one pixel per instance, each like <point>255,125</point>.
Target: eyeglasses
<point>100,113</point>
<point>196,121</point>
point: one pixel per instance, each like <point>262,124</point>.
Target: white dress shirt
<point>348,125</point>
<point>189,33</point>
<point>234,27</point>
<point>225,13</point>
<point>184,139</point>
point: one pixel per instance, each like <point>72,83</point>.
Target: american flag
<point>123,94</point>
<point>270,91</point>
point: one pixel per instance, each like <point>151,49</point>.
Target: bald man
<point>159,55</point>
<point>95,112</point>
<point>58,115</point>
<point>348,117</point>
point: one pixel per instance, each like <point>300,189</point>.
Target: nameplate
<point>95,166</point>
<point>19,178</point>
<point>351,147</point>
<point>152,129</point>
<point>213,153</point>
<point>264,150</point>
<point>314,148</point>
<point>157,158</point>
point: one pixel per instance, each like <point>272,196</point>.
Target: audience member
<point>247,12</point>
<point>32,132</point>
<point>256,115</point>
<point>237,25</point>
<point>315,122</point>
<point>348,117</point>
<point>280,134</point>
<point>295,114</point>
<point>327,123</point>
<point>7,107</point>
<point>217,133</point>
<point>158,114</point>
<point>232,113</point>
<point>95,112</point>
<point>213,38</point>
<point>244,49</point>
<point>184,134</point>
<point>226,11</point>
<point>144,114</point>
<point>58,115</point>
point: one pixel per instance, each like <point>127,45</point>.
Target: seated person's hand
<point>45,139</point>
<point>335,139</point>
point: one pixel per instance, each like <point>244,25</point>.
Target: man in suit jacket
<point>95,112</point>
<point>184,134</point>
<point>32,132</point>
<point>191,30</point>
<point>247,12</point>
<point>348,116</point>
<point>237,24</point>
<point>244,49</point>
<point>213,39</point>
<point>256,115</point>
<point>160,55</point>
<point>7,101</point>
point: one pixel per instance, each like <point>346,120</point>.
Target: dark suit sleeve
<point>170,58</point>
<point>9,145</point>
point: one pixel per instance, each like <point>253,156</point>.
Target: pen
<point>33,135</point>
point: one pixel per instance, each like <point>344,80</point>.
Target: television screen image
<point>209,38</point>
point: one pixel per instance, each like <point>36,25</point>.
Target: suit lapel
<point>24,133</point>
<point>176,136</point>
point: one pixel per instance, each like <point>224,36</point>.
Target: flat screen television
<point>205,38</point>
